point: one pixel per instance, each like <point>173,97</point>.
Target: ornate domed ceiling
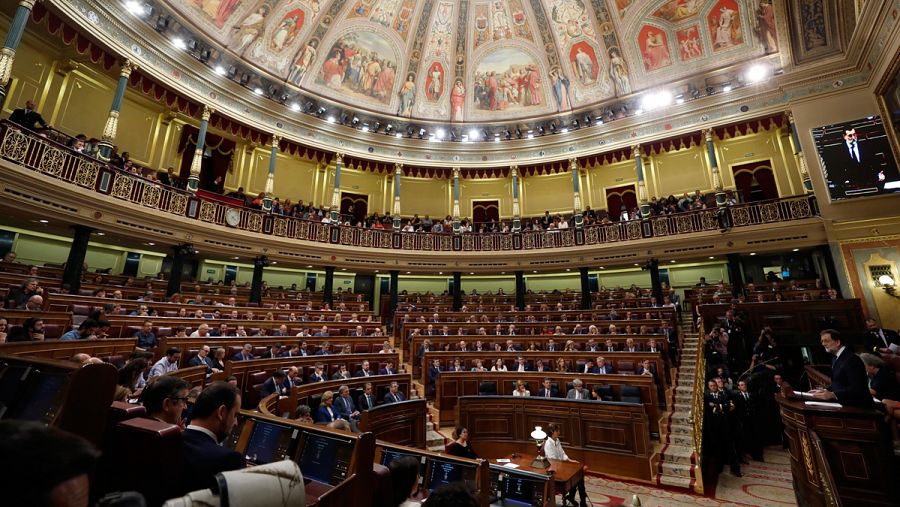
<point>478,61</point>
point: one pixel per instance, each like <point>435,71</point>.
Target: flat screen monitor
<point>41,396</point>
<point>857,159</point>
<point>269,442</point>
<point>325,458</point>
<point>388,455</point>
<point>522,490</point>
<point>442,472</point>
<point>11,379</point>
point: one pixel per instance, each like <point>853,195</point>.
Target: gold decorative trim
<point>808,458</point>
<point>178,204</point>
<point>7,58</point>
<point>15,145</point>
<point>151,196</point>
<point>52,161</point>
<point>122,186</point>
<point>87,173</point>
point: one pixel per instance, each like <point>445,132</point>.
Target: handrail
<point>41,154</point>
<point>697,410</point>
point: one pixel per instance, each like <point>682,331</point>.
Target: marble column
<point>193,182</point>
<point>270,179</point>
<point>11,44</point>
<point>714,172</point>
<point>112,121</point>
<point>642,187</point>
<point>336,192</point>
<point>456,226</point>
<point>516,208</point>
<point>798,152</point>
<point>398,174</point>
<point>576,192</point>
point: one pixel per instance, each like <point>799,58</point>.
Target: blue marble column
<point>798,152</point>
<point>516,208</point>
<point>456,226</point>
<point>13,38</point>
<point>576,191</point>
<point>270,180</point>
<point>197,163</point>
<point>714,167</point>
<point>398,174</point>
<point>642,187</point>
<point>336,193</point>
<point>112,121</point>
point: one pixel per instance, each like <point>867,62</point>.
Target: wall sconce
<point>888,285</point>
<point>539,436</point>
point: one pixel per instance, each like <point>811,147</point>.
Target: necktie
<point>883,338</point>
<point>546,393</point>
<point>369,401</point>
<point>746,396</point>
<point>833,360</point>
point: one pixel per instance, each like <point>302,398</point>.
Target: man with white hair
<point>201,332</point>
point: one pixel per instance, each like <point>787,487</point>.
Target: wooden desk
<point>566,474</point>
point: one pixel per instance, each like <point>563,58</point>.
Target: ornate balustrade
<point>41,154</point>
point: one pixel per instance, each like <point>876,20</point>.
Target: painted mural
<point>217,11</point>
<point>434,82</point>
<point>815,32</point>
<point>725,25</point>
<point>441,38</point>
<point>507,79</point>
<point>654,48</point>
<point>570,18</point>
<point>360,65</point>
<point>393,14</point>
<point>584,63</point>
<point>499,20</point>
<point>677,10</point>
<point>689,44</point>
<point>765,28</point>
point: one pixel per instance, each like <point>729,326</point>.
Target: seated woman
<point>498,365</point>
<point>520,389</point>
<point>460,446</point>
<point>561,366</point>
<point>479,367</point>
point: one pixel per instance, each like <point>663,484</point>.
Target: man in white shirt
<point>167,364</point>
<point>201,332</point>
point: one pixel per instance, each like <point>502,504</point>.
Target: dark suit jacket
<point>322,414</point>
<point>394,398</point>
<point>849,381</point>
<point>606,369</point>
<point>344,406</point>
<point>203,459</point>
<point>240,357</point>
<point>268,387</point>
<point>27,119</point>
<point>197,361</point>
<point>363,404</point>
<point>384,371</point>
<point>433,374</point>
<point>360,373</point>
<point>885,384</point>
<point>874,341</point>
<point>554,393</point>
<point>314,377</point>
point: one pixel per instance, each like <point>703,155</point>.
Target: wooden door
<point>354,207</point>
<point>755,181</point>
<point>484,212</point>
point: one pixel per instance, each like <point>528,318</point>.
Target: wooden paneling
<point>608,437</point>
<point>399,423</point>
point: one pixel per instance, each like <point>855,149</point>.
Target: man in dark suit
<point>856,163</point>
<point>318,375</point>
<point>345,408</point>
<point>879,340</point>
<point>547,390</point>
<point>245,354</point>
<point>882,379</point>
<point>749,422</point>
<point>388,369</point>
<point>434,371</point>
<point>551,345</point>
<point>275,383</point>
<point>342,373</point>
<point>609,346</point>
<point>849,385</point>
<point>717,431</point>
<point>366,400</point>
<point>214,416</point>
<point>394,395</point>
<point>364,371</point>
<point>603,367</point>
<point>28,117</point>
<point>202,358</point>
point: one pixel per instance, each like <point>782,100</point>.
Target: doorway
<point>618,197</point>
<point>354,207</point>
<point>485,212</point>
<point>755,181</point>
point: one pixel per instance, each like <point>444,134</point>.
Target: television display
<point>325,458</point>
<point>857,159</point>
<point>41,397</point>
<point>522,490</point>
<point>443,472</point>
<point>387,456</point>
<point>269,442</point>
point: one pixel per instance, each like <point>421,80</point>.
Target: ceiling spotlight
<point>474,134</point>
<point>320,112</point>
<point>101,234</point>
<point>44,221</point>
<point>151,243</point>
<point>672,261</point>
<point>398,135</point>
<point>245,78</point>
<point>530,136</point>
<point>655,100</point>
<point>552,128</point>
<point>756,73</point>
<point>496,138</point>
<point>376,126</point>
<point>422,133</point>
<point>639,112</point>
<point>440,133</point>
<point>179,43</point>
<point>711,257</point>
<point>752,253</point>
<point>258,91</point>
<point>220,70</point>
<point>726,88</point>
<point>355,121</point>
<point>135,8</point>
<point>796,250</point>
<point>679,100</point>
<point>330,119</point>
<point>601,267</point>
<point>540,131</point>
<point>162,23</point>
<point>295,106</point>
<point>564,130</point>
<point>388,129</point>
<point>204,55</point>
<point>365,128</point>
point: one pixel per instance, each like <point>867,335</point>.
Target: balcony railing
<point>44,155</point>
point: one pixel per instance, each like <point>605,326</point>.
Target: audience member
<point>214,415</point>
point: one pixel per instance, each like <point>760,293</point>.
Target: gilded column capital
<point>636,150</point>
<point>338,158</point>
<point>573,163</point>
<point>127,68</point>
<point>790,117</point>
<point>28,4</point>
<point>207,112</point>
<point>514,171</point>
<point>398,169</point>
<point>456,172</point>
<point>276,140</point>
<point>708,134</point>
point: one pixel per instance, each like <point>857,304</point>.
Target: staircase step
<point>675,481</point>
<point>676,469</point>
<point>677,454</point>
<point>680,439</point>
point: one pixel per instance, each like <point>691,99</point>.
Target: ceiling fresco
<point>480,60</point>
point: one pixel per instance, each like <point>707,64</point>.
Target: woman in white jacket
<point>553,449</point>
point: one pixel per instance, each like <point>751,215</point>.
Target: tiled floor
<point>763,484</point>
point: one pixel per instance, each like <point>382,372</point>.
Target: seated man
<point>364,370</point>
<point>388,369</point>
<point>578,392</point>
<point>276,383</point>
<point>318,375</point>
<point>394,395</point>
<point>86,331</point>
<point>434,371</point>
<point>341,374</point>
<point>167,363</point>
<point>245,354</point>
<point>165,399</point>
<point>602,367</point>
<point>366,400</point>
<point>202,358</point>
<point>146,339</point>
<point>547,390</point>
<point>214,416</point>
<point>345,407</point>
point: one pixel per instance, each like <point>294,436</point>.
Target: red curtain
<point>485,211</point>
<point>215,165</point>
<point>755,181</point>
<point>618,197</point>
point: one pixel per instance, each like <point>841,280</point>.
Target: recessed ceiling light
<point>568,269</point>
<point>236,258</point>
<point>101,234</point>
<point>756,73</point>
<point>179,43</point>
<point>471,273</point>
<point>752,253</point>
<point>377,271</point>
<point>711,257</point>
<point>601,267</point>
<point>565,130</point>
<point>534,271</point>
<point>365,128</point>
<point>473,134</point>
<point>672,261</point>
<point>295,107</point>
<point>407,272</point>
<point>440,133</point>
<point>135,7</point>
<point>727,88</point>
<point>655,100</point>
<point>220,70</point>
<point>307,267</point>
<point>151,244</point>
<point>639,112</point>
<point>636,264</point>
<point>274,262</point>
<point>330,119</point>
<point>44,221</point>
<point>343,269</point>
<point>398,135</point>
<point>503,272</point>
<point>440,272</point>
<point>530,136</point>
<point>679,101</point>
<point>796,249</point>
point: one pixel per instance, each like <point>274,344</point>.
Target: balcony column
<point>798,152</point>
<point>13,38</point>
<point>193,182</point>
<point>270,179</point>
<point>259,264</point>
<point>714,167</point>
<point>585,289</point>
<point>395,290</point>
<point>735,273</point>
<point>108,138</point>
<point>398,174</point>
<point>336,193</point>
<point>642,187</point>
<point>456,227</point>
<point>328,289</point>
<point>655,283</point>
<point>516,209</point>
<point>75,261</point>
<point>576,192</point>
<point>457,291</point>
<point>520,290</point>
<point>180,253</point>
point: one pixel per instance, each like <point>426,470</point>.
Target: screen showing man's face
<point>850,136</point>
